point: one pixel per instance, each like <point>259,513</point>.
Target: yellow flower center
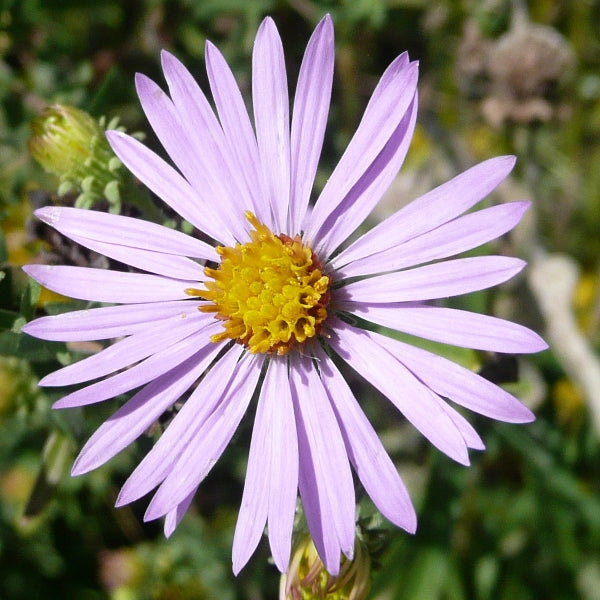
<point>270,292</point>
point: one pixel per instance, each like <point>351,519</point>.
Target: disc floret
<point>270,292</point>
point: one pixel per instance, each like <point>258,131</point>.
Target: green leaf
<point>30,298</point>
<point>55,463</point>
<point>427,575</point>
<point>486,576</point>
<point>9,319</point>
<point>27,347</point>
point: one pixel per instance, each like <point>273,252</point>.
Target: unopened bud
<point>308,579</point>
<point>72,145</point>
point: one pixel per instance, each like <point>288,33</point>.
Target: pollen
<point>270,292</point>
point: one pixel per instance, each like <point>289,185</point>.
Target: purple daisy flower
<point>264,310</point>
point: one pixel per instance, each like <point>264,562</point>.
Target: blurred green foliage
<point>524,521</point>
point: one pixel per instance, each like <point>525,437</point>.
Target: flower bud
<point>308,579</point>
<point>72,145</point>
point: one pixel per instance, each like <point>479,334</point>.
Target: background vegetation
<point>523,522</point>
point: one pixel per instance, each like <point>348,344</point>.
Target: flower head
<point>264,309</point>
